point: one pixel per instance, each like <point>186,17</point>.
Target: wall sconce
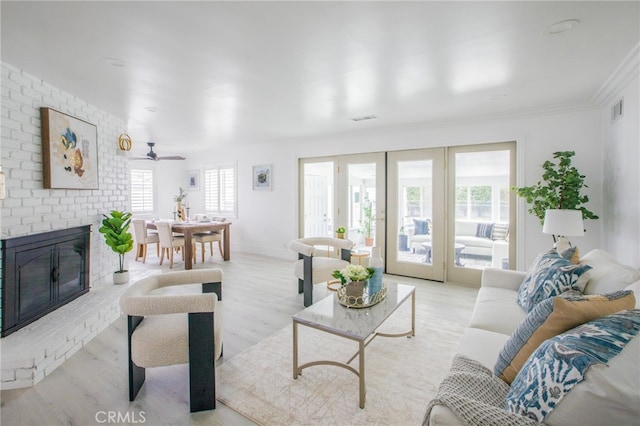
<point>124,142</point>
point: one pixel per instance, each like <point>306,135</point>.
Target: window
<point>220,190</point>
<point>141,191</point>
<point>473,202</point>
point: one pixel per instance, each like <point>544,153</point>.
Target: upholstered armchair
<point>318,257</point>
<point>166,328</point>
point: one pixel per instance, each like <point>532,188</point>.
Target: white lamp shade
<point>563,222</point>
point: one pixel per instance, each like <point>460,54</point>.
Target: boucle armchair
<point>167,328</point>
<point>315,265</point>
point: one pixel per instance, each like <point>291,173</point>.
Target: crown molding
<point>626,71</point>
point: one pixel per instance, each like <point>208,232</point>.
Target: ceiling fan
<point>151,155</point>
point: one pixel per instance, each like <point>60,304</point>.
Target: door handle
<point>55,274</point>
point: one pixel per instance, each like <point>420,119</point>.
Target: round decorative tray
<point>363,301</point>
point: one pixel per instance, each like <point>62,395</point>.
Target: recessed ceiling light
<point>561,26</point>
<point>364,117</point>
<point>114,62</point>
<point>151,109</point>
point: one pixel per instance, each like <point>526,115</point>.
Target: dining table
<point>190,228</point>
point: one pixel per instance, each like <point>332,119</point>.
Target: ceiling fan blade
<point>172,157</point>
<point>152,155</point>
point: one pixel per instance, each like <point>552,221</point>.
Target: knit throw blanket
<point>475,396</point>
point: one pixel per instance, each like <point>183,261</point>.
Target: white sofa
<point>497,314</point>
<point>466,233</point>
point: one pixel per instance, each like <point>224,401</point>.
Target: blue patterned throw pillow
<point>421,227</point>
<point>560,363</point>
<point>551,317</point>
<point>550,275</point>
<point>484,230</point>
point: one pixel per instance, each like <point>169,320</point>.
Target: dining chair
<point>168,325</point>
<point>143,238</point>
<point>210,237</point>
<point>169,242</point>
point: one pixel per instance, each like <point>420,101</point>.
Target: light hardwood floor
<point>259,297</point>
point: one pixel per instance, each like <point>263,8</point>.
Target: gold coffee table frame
<point>345,326</point>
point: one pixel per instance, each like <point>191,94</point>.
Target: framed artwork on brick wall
<point>69,151</point>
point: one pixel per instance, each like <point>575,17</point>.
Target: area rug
<point>402,376</point>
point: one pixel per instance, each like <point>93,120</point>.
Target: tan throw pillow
<point>572,254</point>
<point>552,317</point>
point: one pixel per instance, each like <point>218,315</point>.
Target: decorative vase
<point>180,213</point>
<point>368,241</point>
<point>121,277</point>
<point>355,289</point>
<point>377,264</point>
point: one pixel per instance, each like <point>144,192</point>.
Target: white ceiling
<point>223,73</point>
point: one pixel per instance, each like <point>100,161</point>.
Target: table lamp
<point>562,224</point>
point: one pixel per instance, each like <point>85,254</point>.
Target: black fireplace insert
<point>42,272</point>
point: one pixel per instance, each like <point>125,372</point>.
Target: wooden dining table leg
<point>227,252</point>
<point>188,253</point>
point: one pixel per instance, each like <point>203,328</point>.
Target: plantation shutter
<point>141,191</point>
<point>220,191</point>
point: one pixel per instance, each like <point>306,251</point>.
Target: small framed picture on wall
<point>262,177</point>
<point>193,180</point>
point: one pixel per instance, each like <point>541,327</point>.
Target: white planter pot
<point>121,277</point>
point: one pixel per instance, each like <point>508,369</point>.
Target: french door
<point>344,192</point>
<point>415,231</point>
<point>439,214</point>
<point>481,210</point>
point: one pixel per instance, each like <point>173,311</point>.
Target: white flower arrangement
<point>353,273</point>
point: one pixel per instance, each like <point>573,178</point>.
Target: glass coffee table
<point>359,324</point>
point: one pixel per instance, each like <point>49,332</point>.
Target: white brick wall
<point>28,208</point>
<point>31,353</point>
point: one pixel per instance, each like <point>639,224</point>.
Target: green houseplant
<point>367,223</point>
<point>560,188</point>
<point>340,232</point>
<point>115,229</point>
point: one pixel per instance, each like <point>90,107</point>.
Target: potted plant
<point>179,207</point>
<point>561,189</point>
<point>367,224</point>
<point>354,278</point>
<point>115,228</point>
<point>340,232</point>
